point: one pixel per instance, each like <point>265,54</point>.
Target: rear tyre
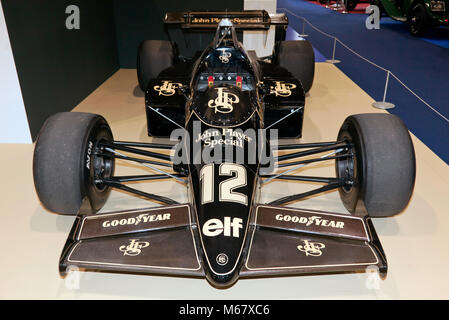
<point>383,166</point>
<point>299,59</point>
<point>418,20</point>
<point>154,56</point>
<point>65,163</point>
<point>379,4</point>
<point>350,4</point>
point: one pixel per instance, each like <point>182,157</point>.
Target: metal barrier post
<point>303,34</point>
<point>384,105</point>
<point>333,60</point>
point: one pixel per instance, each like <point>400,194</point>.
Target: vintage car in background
<point>419,14</point>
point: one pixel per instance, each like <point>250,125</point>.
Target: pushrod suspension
<point>151,154</point>
<point>164,164</point>
<point>151,196</point>
<point>281,165</point>
<point>299,196</point>
<point>306,178</point>
<point>307,145</point>
<point>145,177</point>
<point>312,151</point>
<point>145,145</point>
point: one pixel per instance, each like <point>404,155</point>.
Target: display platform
<point>415,241</point>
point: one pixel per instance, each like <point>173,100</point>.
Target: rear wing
<point>243,20</point>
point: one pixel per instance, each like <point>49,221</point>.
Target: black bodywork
<point>191,74</point>
<point>224,232</point>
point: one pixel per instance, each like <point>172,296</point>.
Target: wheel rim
<point>103,167</point>
<point>347,168</point>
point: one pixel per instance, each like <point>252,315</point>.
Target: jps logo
<point>311,248</point>
<point>282,89</point>
<point>167,88</point>
<point>214,227</point>
<point>224,57</point>
<point>134,248</point>
<point>223,102</point>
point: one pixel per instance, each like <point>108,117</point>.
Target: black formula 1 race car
<point>225,108</point>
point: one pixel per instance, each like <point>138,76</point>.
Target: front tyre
<point>382,169</point>
<point>350,4</point>
<point>66,164</point>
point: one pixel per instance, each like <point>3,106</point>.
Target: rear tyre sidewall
<point>379,4</point>
<point>154,56</point>
<point>299,59</point>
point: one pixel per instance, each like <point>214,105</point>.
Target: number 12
<point>226,188</point>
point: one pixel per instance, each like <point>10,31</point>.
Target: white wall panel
<point>259,40</point>
<point>13,119</point>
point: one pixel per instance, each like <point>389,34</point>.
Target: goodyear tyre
<point>66,164</point>
<point>382,167</point>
